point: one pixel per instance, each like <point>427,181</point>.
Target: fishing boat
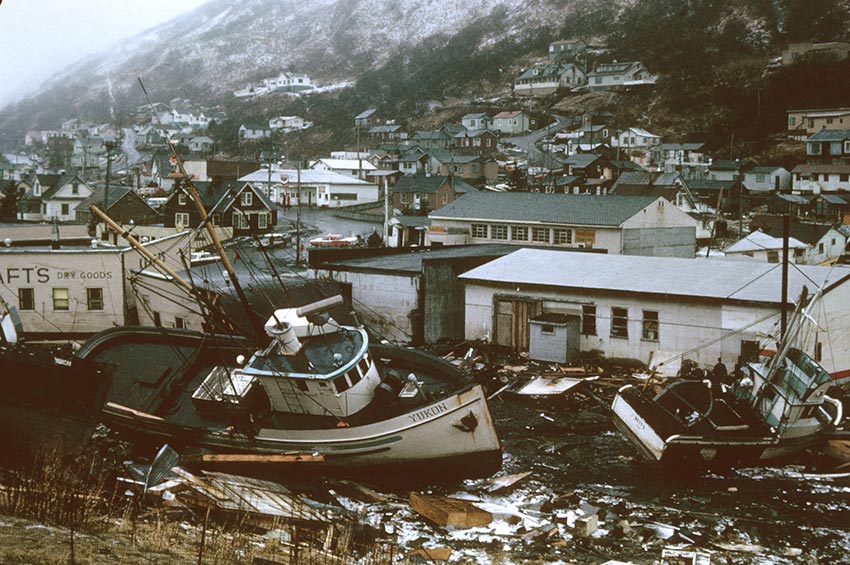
<point>319,397</point>
<point>773,409</point>
<point>49,404</point>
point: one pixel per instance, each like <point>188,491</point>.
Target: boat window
<point>353,377</point>
<point>341,383</point>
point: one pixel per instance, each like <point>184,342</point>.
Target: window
<point>75,188</point>
<point>499,232</point>
<point>181,219</point>
<point>179,323</point>
<point>238,220</point>
<point>563,236</point>
<point>156,320</point>
<point>247,198</point>
<point>405,198</point>
<point>773,256</point>
<point>650,325</point>
<point>65,209</point>
<point>619,322</point>
<point>547,329</point>
<point>519,233</point>
<point>479,231</point>
<point>820,247</point>
<point>181,199</point>
<point>94,298</point>
<point>588,319</point>
<point>540,235</point>
<point>216,219</point>
<point>445,199</point>
<point>792,120</point>
<point>759,178</point>
<point>26,299</point>
<point>262,221</point>
<point>60,299</point>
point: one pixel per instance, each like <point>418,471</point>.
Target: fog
<point>39,38</point>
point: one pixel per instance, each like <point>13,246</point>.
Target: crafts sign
<point>45,275</point>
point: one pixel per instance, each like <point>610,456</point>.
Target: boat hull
<point>450,437</point>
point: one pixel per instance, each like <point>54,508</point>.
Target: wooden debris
<point>252,458</point>
<point>445,511</point>
<point>497,484</point>
<point>360,492</point>
<point>434,553</point>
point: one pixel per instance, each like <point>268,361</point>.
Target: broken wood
<point>434,553</point>
<point>503,483</point>
<point>445,511</point>
<point>252,458</point>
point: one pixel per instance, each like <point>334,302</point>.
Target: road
<point>528,142</point>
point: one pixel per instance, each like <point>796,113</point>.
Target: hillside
<point>711,56</point>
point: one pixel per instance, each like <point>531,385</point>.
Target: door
<point>511,323</point>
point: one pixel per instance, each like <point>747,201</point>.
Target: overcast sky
<point>40,37</point>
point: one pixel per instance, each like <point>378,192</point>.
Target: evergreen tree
<point>9,204</point>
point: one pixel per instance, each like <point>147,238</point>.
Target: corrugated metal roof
<point>567,209</point>
<point>830,135</point>
<point>704,278</point>
<point>412,262</point>
<point>308,176</point>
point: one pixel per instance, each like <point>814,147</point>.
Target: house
<point>288,123</point>
<point>51,196</point>
<point>713,194</point>
<point>149,136</point>
<point>795,205</point>
<point>821,178</point>
<point>759,246</point>
<point>414,161</point>
<point>426,193</point>
<point>798,52</point>
<point>87,152</point>
<point>511,122</point>
<point>619,75</point>
<point>387,132</point>
<point>406,231</point>
<point>201,144</point>
<point>431,139</point>
<point>612,169</point>
<point>630,225</point>
<point>584,165</point>
<point>804,123</point>
<point>230,204</point>
<point>474,169</point>
<point>823,241</point>
<point>545,79</point>
<point>654,309</point>
<point>366,119</point>
<point>478,121</point>
<point>427,297</point>
<point>475,141</point>
<point>727,169</point>
<point>251,90</point>
<point>357,168</point>
<point>253,130</point>
<point>310,186</point>
<point>566,49</point>
<point>689,159</point>
<point>218,169</point>
<point>636,144</point>
<point>124,206</point>
<point>767,179</point>
<point>289,82</point>
<point>829,147</point>
<point>832,208</point>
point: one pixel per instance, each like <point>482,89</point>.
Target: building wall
<point>831,245</point>
<point>74,270</point>
<point>660,242</point>
<point>816,183</point>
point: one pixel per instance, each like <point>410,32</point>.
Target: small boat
<point>336,240</point>
<point>319,397</point>
<point>774,409</point>
<point>270,240</point>
<point>49,406</point>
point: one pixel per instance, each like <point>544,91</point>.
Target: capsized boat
<point>774,409</point>
<point>320,398</point>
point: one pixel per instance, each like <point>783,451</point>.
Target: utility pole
<point>298,219</point>
<point>109,146</point>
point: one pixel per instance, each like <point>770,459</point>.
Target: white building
<point>655,309</point>
<point>822,178</point>
<point>357,168</point>
<point>767,179</point>
<point>636,138</point>
<point>759,246</point>
<point>322,188</point>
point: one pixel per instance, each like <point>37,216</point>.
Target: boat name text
<point>429,412</point>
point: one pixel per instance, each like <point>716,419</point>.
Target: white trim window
<point>181,199</point>
<point>479,231</point>
<point>262,221</point>
<point>540,235</point>
<point>181,219</point>
<point>247,198</point>
<point>499,231</point>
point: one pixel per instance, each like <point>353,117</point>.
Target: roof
<point>430,135</point>
<point>347,164</point>
<point>833,199</point>
<point>709,184</point>
<point>255,126</point>
<point>508,114</point>
<point>645,179</point>
<point>116,193</point>
<point>625,165</point>
<point>830,135</point>
<point>308,176</point>
<point>806,232</point>
<point>838,168</point>
<point>411,221</point>
<point>613,68</point>
<point>365,114</point>
<point>748,281</point>
<point>642,132</point>
<point>582,160</point>
<point>429,184</point>
<point>681,146</point>
<point>762,170</point>
<point>566,209</point>
<point>821,112</point>
<point>412,262</point>
<point>447,156</point>
<point>388,128</point>
<point>474,133</point>
<point>480,115</point>
<point>794,198</point>
<point>760,241</point>
<point>730,165</point>
<point>230,196</point>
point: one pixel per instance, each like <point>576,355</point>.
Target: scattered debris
<point>503,483</point>
<point>445,511</point>
<point>434,553</point>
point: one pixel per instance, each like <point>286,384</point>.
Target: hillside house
<point>767,179</point>
<point>587,165</point>
<point>823,241</point>
<point>426,193</point>
<point>821,178</point>
<point>431,139</point>
<point>474,169</point>
<point>87,152</point>
<point>545,79</point>
<point>367,119</point>
<point>287,123</point>
<point>690,159</point>
<point>636,138</point>
<point>829,147</point>
<point>727,169</point>
<point>387,133</point>
<point>804,123</point>
<point>124,206</point>
<point>357,168</point>
<point>414,161</point>
<point>798,52</point>
<point>566,49</point>
<point>619,75</point>
<point>479,121</point>
<point>312,187</point>
<point>511,122</point>
<point>200,144</point>
<point>252,130</point>
<point>759,246</point>
<point>289,82</point>
<point>478,141</point>
<point>48,196</point>
<point>631,225</point>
